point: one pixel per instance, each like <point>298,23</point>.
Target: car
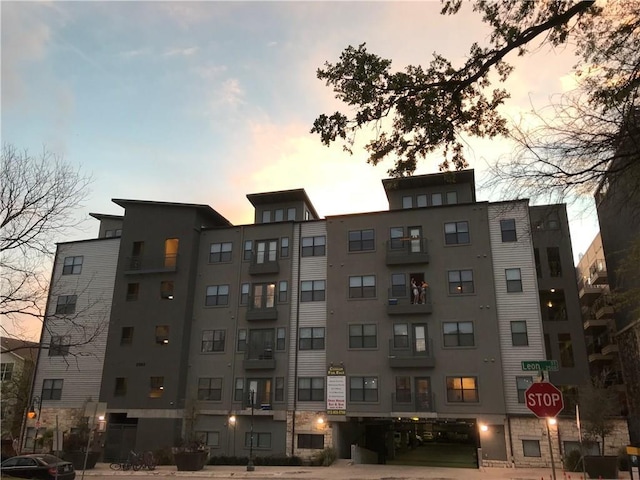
<point>38,465</point>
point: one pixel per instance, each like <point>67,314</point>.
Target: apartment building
<point>296,333</point>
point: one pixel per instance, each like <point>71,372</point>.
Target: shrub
<point>324,458</point>
<point>163,456</point>
<point>573,461</point>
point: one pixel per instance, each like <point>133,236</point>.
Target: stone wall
<point>307,423</point>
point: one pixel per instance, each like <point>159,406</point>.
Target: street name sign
<point>539,365</point>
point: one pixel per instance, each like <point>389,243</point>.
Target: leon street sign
<point>544,399</point>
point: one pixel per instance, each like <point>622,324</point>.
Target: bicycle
<point>140,461</point>
<point>124,465</point>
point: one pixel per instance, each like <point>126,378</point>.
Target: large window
<point>363,286</point>
<point>52,389</point>
<point>403,389</point>
<point>210,389</point>
<point>458,334</point>
<point>66,304</point>
<point>314,246</point>
<point>311,389</point>
<point>519,335</point>
<point>456,233</point>
<point>363,336</point>
<point>311,338</point>
<point>522,383</point>
<point>401,335</point>
<point>59,346</point>
<point>514,280</point>
<point>217,295</point>
<point>72,265</point>
<point>264,295</point>
<point>312,441</point>
<point>398,285</point>
<point>220,252</point>
<point>363,389</point>
<point>460,281</point>
<point>462,389</point>
<point>361,240</point>
<point>508,230</point>
<point>312,291</point>
<point>6,371</point>
<point>212,341</point>
<point>260,440</point>
<point>266,251</point>
<point>396,235</point>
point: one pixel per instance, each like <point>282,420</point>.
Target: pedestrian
<point>415,292</point>
<point>423,291</point>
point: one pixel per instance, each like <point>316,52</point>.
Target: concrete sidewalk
<point>342,470</point>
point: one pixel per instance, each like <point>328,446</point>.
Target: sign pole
<point>553,464</point>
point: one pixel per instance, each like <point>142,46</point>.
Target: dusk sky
<point>206,102</point>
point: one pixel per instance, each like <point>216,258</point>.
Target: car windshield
<point>49,459</point>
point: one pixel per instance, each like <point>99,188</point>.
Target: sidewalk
<point>342,470</point>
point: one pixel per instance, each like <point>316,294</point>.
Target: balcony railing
<point>152,264</point>
<point>407,251</point>
<point>261,400</point>
<point>410,357</point>
<point>603,307</point>
<point>259,358</point>
<point>586,288</point>
<point>412,402</point>
<point>598,273</point>
<point>261,311</point>
<point>261,265</point>
<point>401,304</point>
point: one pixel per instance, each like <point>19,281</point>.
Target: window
<point>248,250</point>
<point>162,334</point>
<point>171,252</point>
<point>314,246</point>
<point>452,198</point>
<point>210,389</point>
<point>260,440</point>
<point>210,439</point>
<point>566,350</point>
<point>547,347</point>
<point>120,389</point>
<point>66,304</point>
<point>508,230</point>
<point>398,285</point>
<point>514,280</point>
<point>361,240</point>
<point>555,265</point>
<point>436,199</point>
<point>283,288</point>
<point>311,338</point>
<point>531,448</point>
<point>284,247</point>
<point>281,338</point>
<point>312,291</point>
<point>241,345</point>
<point>522,383</point>
<point>403,389</point>
<point>456,233</point>
<point>553,224</point>
<point>156,387</point>
<point>278,215</point>
<point>133,290</point>
<point>72,265</point>
<point>238,390</point>
<point>401,335</point>
<point>362,286</point>
<point>217,295</point>
<point>363,389</point>
<point>6,371</point>
<point>308,440</point>
<point>220,252</point>
<point>396,234</point>
<point>266,251</point>
<point>212,341</point>
<point>421,200</point>
<point>59,346</point>
<point>407,202</point>
<point>311,389</point>
<point>462,389</point>
<point>536,254</point>
<point>363,336</point>
<point>291,213</point>
<point>244,294</point>
<point>460,281</point>
<point>266,216</point>
<point>52,389</point>
<point>113,233</point>
<point>458,334</point>
<point>126,336</point>
<point>519,337</point>
<point>166,290</point>
<point>279,396</point>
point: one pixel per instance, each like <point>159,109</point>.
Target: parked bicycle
<point>144,460</point>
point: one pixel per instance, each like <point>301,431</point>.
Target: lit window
<point>162,334</point>
<point>156,387</point>
<point>462,389</point>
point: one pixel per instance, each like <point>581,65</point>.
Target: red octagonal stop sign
<point>544,399</point>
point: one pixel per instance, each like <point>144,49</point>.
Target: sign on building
<point>336,391</point>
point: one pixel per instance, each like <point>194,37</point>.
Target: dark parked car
<point>41,466</point>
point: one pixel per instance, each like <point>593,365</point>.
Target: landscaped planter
<point>601,466</point>
<point>190,461</point>
<point>77,458</point>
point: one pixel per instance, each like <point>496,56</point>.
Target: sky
<point>206,102</point>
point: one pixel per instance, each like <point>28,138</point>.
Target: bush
<point>573,461</point>
<point>163,456</point>
<point>324,458</point>
<point>274,460</point>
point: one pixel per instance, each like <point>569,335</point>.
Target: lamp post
<point>250,466</point>
<point>34,413</point>
<point>232,424</point>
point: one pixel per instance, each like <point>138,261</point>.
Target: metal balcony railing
<point>407,251</point>
<point>412,402</point>
<point>150,264</point>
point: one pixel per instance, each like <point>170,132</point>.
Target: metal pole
<point>553,465</point>
<point>91,427</point>
<point>250,465</point>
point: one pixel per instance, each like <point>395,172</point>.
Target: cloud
<point>185,52</point>
<point>135,53</point>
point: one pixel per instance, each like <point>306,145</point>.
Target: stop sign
<point>544,399</point>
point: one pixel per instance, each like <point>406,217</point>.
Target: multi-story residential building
<point>309,332</point>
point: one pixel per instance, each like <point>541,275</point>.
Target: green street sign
<point>539,365</point>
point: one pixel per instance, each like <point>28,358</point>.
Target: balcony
<point>410,357</point>
<point>260,265</point>
<point>598,273</point>
<point>256,313</point>
<point>402,305</point>
<point>407,251</point>
<point>603,307</point>
<point>139,264</point>
<point>586,289</point>
<point>592,323</point>
<point>261,401</point>
<point>412,402</point>
<point>597,351</point>
<point>610,349</point>
<point>260,358</point>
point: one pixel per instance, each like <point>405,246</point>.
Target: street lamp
<point>34,414</point>
<point>250,466</point>
<point>232,424</point>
